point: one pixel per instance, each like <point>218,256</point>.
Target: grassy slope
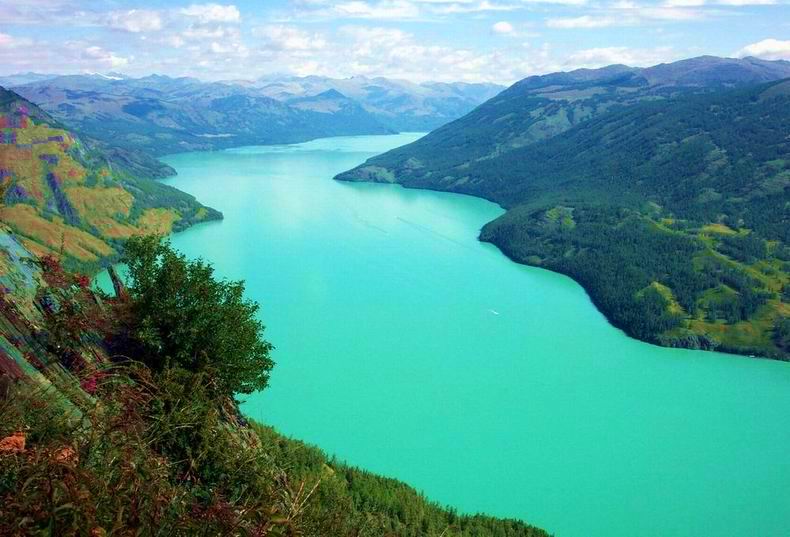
<point>62,195</point>
<point>632,203</point>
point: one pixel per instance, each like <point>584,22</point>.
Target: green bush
<point>185,317</point>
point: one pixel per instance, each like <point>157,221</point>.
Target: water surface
<point>408,348</point>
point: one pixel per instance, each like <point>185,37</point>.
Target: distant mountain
<point>664,191</point>
<point>64,196</point>
<point>399,104</point>
<point>140,118</point>
<point>23,78</point>
<point>160,115</point>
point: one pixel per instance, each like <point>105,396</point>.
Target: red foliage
<point>90,384</point>
<point>50,263</point>
<point>13,444</point>
<point>8,366</point>
<point>34,360</point>
<point>53,272</point>
<point>66,455</point>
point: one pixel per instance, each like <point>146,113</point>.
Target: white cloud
<point>208,13</point>
<point>603,56</point>
<point>20,54</point>
<point>281,37</point>
<point>175,41</point>
<point>207,38</point>
<point>684,3</point>
<point>36,11</point>
<point>404,9</point>
<point>469,6</point>
<point>394,53</point>
<point>748,2</point>
<point>628,13</point>
<point>767,49</point>
<point>135,20</point>
<point>585,21</point>
<point>502,27</point>
<point>391,9</point>
<point>205,32</point>
<point>103,57</point>
<point>668,13</point>
<point>558,2</point>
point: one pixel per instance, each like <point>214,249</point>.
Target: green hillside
<point>540,107</point>
<point>671,210</point>
<point>62,195</point>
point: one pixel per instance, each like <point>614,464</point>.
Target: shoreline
<point>720,348</point>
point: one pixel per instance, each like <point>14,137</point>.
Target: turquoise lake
<point>406,347</point>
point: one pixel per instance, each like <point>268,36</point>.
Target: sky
<point>497,41</point>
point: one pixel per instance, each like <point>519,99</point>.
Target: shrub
<point>185,317</point>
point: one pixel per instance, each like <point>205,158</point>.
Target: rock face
<point>32,348</point>
<point>64,197</point>
<point>21,316</point>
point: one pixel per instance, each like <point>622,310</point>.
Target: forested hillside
<point>672,211</point>
<point>118,417</point>
<point>540,107</point>
<point>63,196</point>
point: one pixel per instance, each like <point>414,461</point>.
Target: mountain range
<point>398,104</point>
<point>665,191</point>
<point>140,118</point>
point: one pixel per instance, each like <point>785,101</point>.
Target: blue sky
<point>472,40</point>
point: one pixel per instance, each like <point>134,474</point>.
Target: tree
<point>782,332</point>
<point>185,317</point>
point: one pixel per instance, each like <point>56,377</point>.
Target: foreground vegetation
<point>671,210</point>
<point>117,417</point>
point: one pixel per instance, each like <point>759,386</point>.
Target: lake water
<point>407,347</point>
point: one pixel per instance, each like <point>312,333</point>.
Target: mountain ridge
<point>157,115</point>
<point>180,116</point>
